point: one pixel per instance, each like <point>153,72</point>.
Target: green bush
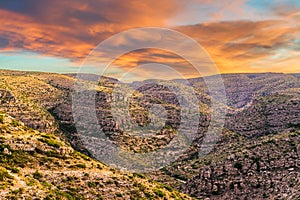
<point>15,123</point>
<point>4,174</point>
<point>238,165</point>
<point>65,195</point>
<point>83,166</point>
<point>50,142</point>
<point>46,136</point>
<point>15,170</point>
<point>139,175</point>
<point>3,146</point>
<point>159,193</point>
<point>18,191</point>
<point>53,154</point>
<point>169,188</point>
<point>37,175</point>
<point>49,197</point>
<point>91,184</point>
<point>119,195</point>
<point>149,195</point>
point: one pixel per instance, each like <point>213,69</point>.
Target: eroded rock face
<point>267,115</point>
<point>262,169</point>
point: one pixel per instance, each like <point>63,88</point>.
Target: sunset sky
<point>239,35</point>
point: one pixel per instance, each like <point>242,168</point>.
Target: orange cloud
<point>73,29</point>
<point>235,45</point>
<point>24,33</point>
<point>145,56</point>
<point>239,46</point>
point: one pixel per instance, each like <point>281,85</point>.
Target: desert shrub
<point>46,136</point>
<point>15,123</point>
<point>3,146</point>
<point>49,197</point>
<point>231,186</point>
<point>80,165</point>
<point>258,185</point>
<point>91,184</point>
<point>238,165</point>
<point>77,154</point>
<point>65,195</point>
<point>38,150</point>
<point>70,178</point>
<point>18,191</point>
<point>53,154</point>
<point>108,182</point>
<point>50,142</point>
<point>14,198</point>
<point>46,184</point>
<point>31,182</point>
<point>116,182</point>
<point>17,158</point>
<point>4,174</point>
<point>169,188</point>
<point>99,166</point>
<point>119,195</point>
<point>15,170</point>
<point>139,175</point>
<point>37,175</point>
<point>159,192</point>
<point>149,195</point>
<point>99,197</point>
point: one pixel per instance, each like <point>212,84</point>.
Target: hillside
<point>35,165</point>
<point>257,155</point>
<point>257,151</point>
<point>262,168</point>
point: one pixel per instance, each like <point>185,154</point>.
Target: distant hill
<point>91,77</point>
<point>297,75</point>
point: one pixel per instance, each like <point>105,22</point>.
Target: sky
<point>240,36</point>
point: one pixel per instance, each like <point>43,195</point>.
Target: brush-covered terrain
<point>36,165</point>
<point>36,159</point>
<point>256,156</point>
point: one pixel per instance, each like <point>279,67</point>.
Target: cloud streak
<point>235,45</point>
<point>71,29</point>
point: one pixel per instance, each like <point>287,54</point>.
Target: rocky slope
<point>264,168</point>
<point>267,115</point>
<point>242,89</point>
<point>258,150</point>
<point>257,156</point>
<point>35,165</point>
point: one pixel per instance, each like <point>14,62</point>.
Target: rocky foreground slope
<point>37,162</point>
<point>35,165</point>
<point>256,157</point>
